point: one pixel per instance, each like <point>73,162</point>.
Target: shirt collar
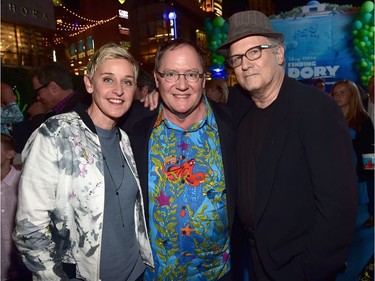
<point>208,119</point>
<point>60,106</point>
<point>10,177</point>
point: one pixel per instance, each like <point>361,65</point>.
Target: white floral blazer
<point>61,199</point>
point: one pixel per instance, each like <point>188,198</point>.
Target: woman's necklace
<point>117,188</point>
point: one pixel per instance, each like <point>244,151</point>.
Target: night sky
<point>232,6</point>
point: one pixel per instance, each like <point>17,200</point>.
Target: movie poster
<point>319,46</point>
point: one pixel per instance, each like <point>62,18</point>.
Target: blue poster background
<point>319,47</point>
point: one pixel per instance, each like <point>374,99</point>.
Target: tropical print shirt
<point>9,115</point>
<point>188,220</point>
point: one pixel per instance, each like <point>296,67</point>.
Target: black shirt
<point>250,135</point>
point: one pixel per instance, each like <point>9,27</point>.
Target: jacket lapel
<point>139,142</point>
<point>226,132</point>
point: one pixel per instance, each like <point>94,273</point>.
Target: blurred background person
<point>368,102</point>
<point>12,267</point>
<point>145,85</point>
<point>347,96</point>
<point>320,84</point>
<point>217,90</point>
<point>10,111</point>
<point>54,94</point>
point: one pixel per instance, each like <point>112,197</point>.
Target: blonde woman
<point>80,210</point>
<point>347,96</point>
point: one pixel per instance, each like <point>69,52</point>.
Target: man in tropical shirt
<point>186,166</point>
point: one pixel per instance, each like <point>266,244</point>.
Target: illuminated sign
<point>123,14</point>
<point>37,12</point>
<point>172,23</point>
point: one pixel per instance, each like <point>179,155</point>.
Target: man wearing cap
<point>297,193</point>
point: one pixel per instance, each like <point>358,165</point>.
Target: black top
<point>251,133</point>
<point>363,143</point>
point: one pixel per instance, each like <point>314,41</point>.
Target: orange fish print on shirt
<point>184,172</point>
<point>183,211</point>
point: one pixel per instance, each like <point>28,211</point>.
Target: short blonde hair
<point>110,51</point>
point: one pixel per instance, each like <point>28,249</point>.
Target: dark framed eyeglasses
<point>251,54</point>
<point>41,87</point>
<point>172,76</point>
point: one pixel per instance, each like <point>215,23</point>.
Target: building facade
<point>69,31</point>
<point>23,24</point>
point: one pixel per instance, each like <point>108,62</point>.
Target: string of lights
<point>79,28</point>
<point>90,26</point>
<point>78,16</point>
<point>70,26</point>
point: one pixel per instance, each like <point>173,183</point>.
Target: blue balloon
<point>366,18</point>
<point>357,24</point>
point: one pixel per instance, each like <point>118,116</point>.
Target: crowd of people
<point>169,176</point>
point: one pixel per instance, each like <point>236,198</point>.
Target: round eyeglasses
<point>251,54</point>
<point>172,76</point>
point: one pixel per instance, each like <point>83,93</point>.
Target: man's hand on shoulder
<point>151,100</point>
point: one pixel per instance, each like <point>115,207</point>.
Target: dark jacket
<point>306,191</point>
<point>363,143</point>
